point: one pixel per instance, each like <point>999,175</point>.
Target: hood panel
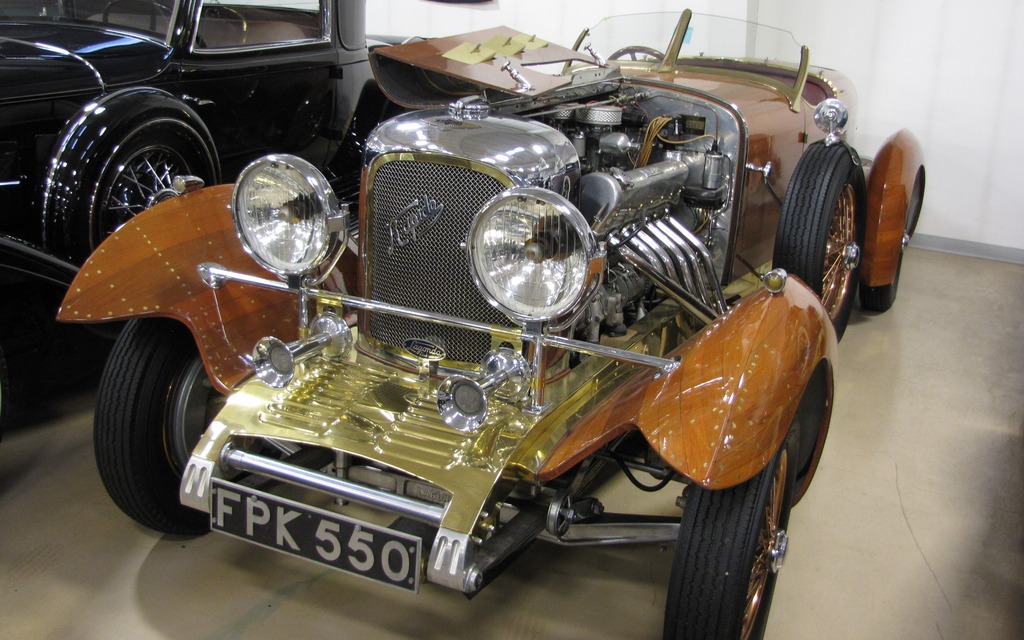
<point>434,72</point>
<point>45,59</point>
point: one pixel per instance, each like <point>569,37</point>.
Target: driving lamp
<point>285,212</point>
<point>533,255</point>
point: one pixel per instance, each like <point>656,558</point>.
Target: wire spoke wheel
<point>135,185</point>
<point>837,282</point>
<point>771,538</point>
<point>732,544</point>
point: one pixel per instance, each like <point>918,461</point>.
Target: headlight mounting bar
<point>216,276</point>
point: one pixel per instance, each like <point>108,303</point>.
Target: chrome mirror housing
<point>832,116</point>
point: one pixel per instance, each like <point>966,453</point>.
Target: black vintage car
<point>32,282</point>
<point>103,102</point>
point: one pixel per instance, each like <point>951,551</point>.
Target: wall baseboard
<point>967,248</point>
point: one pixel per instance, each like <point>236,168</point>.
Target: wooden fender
<point>890,182</point>
<point>147,268</point>
<point>720,417</point>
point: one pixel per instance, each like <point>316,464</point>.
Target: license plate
<point>325,537</point>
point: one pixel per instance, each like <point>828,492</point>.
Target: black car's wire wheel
<point>119,152</point>
<point>882,297</point>
<point>821,230</point>
<point>141,171</point>
<point>153,405</point>
<point>731,545</point>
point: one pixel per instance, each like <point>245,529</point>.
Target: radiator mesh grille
<point>425,266</point>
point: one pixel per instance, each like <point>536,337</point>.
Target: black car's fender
<point>97,143</point>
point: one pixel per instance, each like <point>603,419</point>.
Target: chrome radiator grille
<point>419,215</point>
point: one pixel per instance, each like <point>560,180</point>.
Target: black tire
<point>143,167</point>
<point>882,297</point>
<point>822,220</point>
<point>154,403</point>
<point>722,555</point>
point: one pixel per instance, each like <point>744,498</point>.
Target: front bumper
<point>375,414</point>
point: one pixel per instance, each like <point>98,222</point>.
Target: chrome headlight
<point>533,255</point>
<point>285,212</point>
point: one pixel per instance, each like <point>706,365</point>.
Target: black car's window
<point>152,18</point>
<point>238,24</point>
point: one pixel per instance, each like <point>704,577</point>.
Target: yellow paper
<point>530,42</point>
<point>470,53</point>
<point>505,45</point>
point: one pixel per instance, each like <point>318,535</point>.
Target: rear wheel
<point>731,545</point>
<point>821,230</point>
<point>141,171</point>
<point>153,405</point>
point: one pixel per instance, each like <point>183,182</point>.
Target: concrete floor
<point>913,528</point>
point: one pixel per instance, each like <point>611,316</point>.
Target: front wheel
<point>821,229</point>
<point>153,405</point>
<point>731,545</point>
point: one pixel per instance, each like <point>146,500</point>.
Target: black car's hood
<point>51,59</point>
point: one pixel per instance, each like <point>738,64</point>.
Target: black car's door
<point>263,74</point>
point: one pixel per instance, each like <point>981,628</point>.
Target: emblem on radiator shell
<point>415,219</point>
<point>425,349</point>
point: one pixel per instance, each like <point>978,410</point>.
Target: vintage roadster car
<point>103,102</point>
<point>567,265</point>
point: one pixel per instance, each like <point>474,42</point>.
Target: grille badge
<point>416,218</point>
<point>425,349</point>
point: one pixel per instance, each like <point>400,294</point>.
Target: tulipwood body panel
<point>147,268</point>
<point>890,184</point>
<point>720,417</point>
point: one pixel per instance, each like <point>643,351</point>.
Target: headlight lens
<point>533,255</point>
<point>284,210</point>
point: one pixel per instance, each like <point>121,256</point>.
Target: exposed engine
<point>658,189</point>
<point>652,172</point>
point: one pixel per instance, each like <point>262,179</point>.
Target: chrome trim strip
<point>63,52</point>
<point>341,488</point>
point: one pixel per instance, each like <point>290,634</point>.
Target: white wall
<point>952,75</point>
<point>553,20</point>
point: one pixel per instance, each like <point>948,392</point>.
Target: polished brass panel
<point>367,409</point>
<point>364,409</point>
